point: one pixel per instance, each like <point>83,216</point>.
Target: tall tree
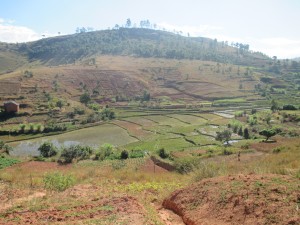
<point>128,23</point>
<point>224,136</point>
<point>268,133</point>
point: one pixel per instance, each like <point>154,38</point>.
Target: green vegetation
<point>57,181</point>
<point>134,41</point>
<point>268,133</point>
<point>6,162</point>
<point>224,136</point>
<point>75,152</point>
<point>167,104</point>
<point>47,149</point>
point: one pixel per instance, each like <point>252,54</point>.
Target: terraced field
<point>173,132</point>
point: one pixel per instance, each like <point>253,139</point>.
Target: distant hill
<point>136,42</point>
<point>10,58</point>
<point>296,59</point>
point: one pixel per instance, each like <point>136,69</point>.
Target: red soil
<point>125,210</point>
<point>150,167</point>
<point>239,199</point>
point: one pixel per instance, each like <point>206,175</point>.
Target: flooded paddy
<point>92,136</point>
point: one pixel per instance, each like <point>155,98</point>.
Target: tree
<point>128,23</point>
<point>60,103</point>
<point>77,152</point>
<point>146,96</point>
<point>162,153</point>
<point>124,154</point>
<point>224,136</point>
<point>240,132</point>
<point>289,107</point>
<point>47,149</point>
<point>85,98</point>
<point>246,133</point>
<point>274,105</point>
<point>268,133</point>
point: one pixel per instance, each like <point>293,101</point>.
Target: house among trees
<point>11,107</point>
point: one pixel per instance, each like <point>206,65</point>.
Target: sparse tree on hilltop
<point>128,23</point>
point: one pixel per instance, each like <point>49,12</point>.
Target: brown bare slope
<point>239,199</point>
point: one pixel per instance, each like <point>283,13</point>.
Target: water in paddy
<point>92,136</point>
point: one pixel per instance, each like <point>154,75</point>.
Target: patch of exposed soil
<point>169,217</point>
<point>115,210</point>
<point>151,167</point>
<point>239,199</point>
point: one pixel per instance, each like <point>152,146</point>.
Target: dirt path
<point>168,217</point>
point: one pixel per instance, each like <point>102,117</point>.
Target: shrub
<point>79,111</point>
<point>238,113</point>
<point>57,181</point>
<point>1,144</point>
<point>22,128</point>
<point>226,152</point>
<point>277,149</point>
<point>85,98</point>
<point>107,149</point>
<point>185,165</point>
<point>137,153</point>
<point>47,149</point>
<point>246,133</point>
<point>107,114</point>
<point>252,120</point>
<point>124,154</point>
<point>223,136</point>
<point>253,111</point>
<point>235,125</point>
<point>6,162</point>
<point>245,146</point>
<point>163,153</point>
<point>240,132</point>
<point>77,152</point>
<point>5,147</point>
<point>289,107</point>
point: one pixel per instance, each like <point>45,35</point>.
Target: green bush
<point>163,153</point>
<point>238,113</point>
<point>77,152</point>
<point>47,149</point>
<point>136,153</point>
<point>124,154</point>
<point>6,162</point>
<point>226,152</point>
<point>57,181</point>
<point>289,107</point>
<point>278,149</point>
<point>185,165</point>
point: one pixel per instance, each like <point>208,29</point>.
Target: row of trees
<point>79,152</point>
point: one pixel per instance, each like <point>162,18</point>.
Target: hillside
<point>139,126</point>
<point>136,42</point>
<point>10,58</point>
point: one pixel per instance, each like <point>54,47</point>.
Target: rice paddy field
<point>173,132</point>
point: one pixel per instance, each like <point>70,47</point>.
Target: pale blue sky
<point>270,26</point>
